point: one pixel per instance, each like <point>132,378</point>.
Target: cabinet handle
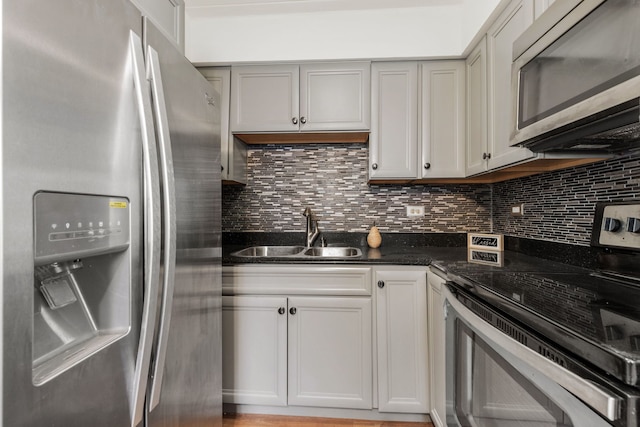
<point>294,120</point>
<point>427,165</point>
<point>381,284</point>
<point>281,310</point>
<point>374,166</point>
<point>303,120</point>
<point>292,310</point>
<point>486,156</point>
<point>221,168</point>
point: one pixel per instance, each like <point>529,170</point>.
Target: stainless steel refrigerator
<point>110,224</point>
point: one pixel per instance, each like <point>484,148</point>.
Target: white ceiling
<point>253,7</point>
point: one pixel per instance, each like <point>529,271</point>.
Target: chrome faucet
<point>312,228</point>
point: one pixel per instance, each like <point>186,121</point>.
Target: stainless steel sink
<point>298,252</point>
<point>332,252</point>
<point>269,251</point>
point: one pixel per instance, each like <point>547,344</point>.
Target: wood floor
<point>248,420</point>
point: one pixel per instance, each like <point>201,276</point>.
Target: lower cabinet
<point>254,350</point>
<point>403,365</point>
<point>437,409</point>
<point>306,347</point>
<point>330,352</point>
<point>320,337</point>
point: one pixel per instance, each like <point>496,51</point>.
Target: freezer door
<point>71,166</point>
<point>186,382</point>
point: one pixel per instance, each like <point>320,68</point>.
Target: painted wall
<point>224,35</point>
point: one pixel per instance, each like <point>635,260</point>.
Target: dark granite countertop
<point>396,248</point>
<point>446,251</point>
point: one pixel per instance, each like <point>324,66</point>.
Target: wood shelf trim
<point>517,171</point>
<point>304,138</point>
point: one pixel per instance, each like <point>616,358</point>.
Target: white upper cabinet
<point>513,21</point>
<point>233,153</point>
<point>167,15</point>
<point>442,119</point>
<point>417,117</point>
<point>477,109</point>
<point>489,101</point>
<point>541,5</point>
<point>307,98</point>
<point>265,98</point>
<point>335,96</point>
<point>393,143</point>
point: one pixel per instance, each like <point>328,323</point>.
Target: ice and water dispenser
<point>82,283</point>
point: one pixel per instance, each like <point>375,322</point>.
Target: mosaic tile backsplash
<point>559,206</point>
<point>332,180</point>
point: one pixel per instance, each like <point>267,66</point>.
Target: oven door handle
<point>601,400</point>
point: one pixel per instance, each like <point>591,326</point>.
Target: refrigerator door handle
<point>152,232</point>
<point>169,209</point>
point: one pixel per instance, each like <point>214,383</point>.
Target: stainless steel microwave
<point>576,78</point>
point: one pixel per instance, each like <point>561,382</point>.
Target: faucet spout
<point>312,231</point>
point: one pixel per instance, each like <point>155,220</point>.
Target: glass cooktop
<point>595,315</point>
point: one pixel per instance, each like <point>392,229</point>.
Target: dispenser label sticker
<point>118,205</point>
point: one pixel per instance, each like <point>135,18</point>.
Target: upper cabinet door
<point>220,79</point>
<point>264,98</point>
<point>442,129</point>
<point>477,109</point>
<point>167,15</point>
<point>513,21</point>
<point>335,96</point>
<point>393,143</point>
<point>540,6</point>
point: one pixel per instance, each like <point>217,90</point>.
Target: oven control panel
<point>617,225</point>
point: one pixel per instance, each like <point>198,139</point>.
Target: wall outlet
<point>414,211</point>
<point>517,210</point>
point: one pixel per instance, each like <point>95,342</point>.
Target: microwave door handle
<point>152,217</point>
<point>604,402</point>
<point>169,209</point>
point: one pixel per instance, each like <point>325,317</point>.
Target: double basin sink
<point>299,252</point>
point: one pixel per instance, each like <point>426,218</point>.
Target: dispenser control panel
<point>70,226</point>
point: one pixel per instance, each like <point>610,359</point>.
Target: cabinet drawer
<point>296,280</point>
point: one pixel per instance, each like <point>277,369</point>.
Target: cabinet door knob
<point>374,166</point>
<point>381,284</point>
<point>427,165</point>
<point>294,120</point>
<point>486,156</point>
<point>292,310</point>
<point>303,120</point>
<point>281,310</point>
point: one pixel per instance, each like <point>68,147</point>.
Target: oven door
<point>494,381</point>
